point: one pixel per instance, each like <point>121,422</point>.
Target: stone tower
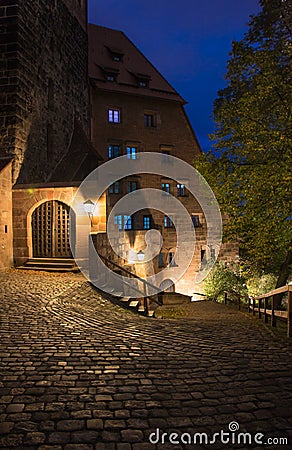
<point>43,82</point>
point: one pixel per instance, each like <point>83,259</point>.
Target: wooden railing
<point>144,292</point>
<point>260,306</point>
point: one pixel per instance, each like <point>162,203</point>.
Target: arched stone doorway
<point>167,285</point>
<point>50,224</point>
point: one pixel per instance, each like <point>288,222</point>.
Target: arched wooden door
<point>50,230</point>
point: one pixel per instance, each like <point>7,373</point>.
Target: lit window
<point>180,190</point>
<point>119,221</point>
<point>123,222</point>
<point>114,116</point>
<point>167,222</point>
<point>143,83</point>
<point>165,187</point>
<point>131,152</point>
<point>128,223</point>
<point>113,151</point>
<point>146,222</point>
<point>112,77</point>
<point>196,220</point>
<point>114,188</point>
<point>148,120</point>
<point>132,186</point>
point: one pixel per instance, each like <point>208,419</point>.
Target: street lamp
<point>140,256</point>
<point>89,208</point>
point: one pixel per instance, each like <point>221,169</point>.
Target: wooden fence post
<point>249,302</point>
<point>253,306</point>
<point>260,306</point>
<point>265,309</point>
<point>225,298</point>
<point>289,318</point>
<point>273,318</point>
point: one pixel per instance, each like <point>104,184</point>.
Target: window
<point>114,188</point>
<point>123,222</point>
<point>196,220</point>
<point>181,192</point>
<point>147,222</point>
<point>114,116</point>
<point>161,260</point>
<point>132,186</point>
<point>167,222</point>
<point>128,223</point>
<point>165,187</point>
<point>171,260</point>
<point>143,83</point>
<point>132,152</point>
<point>203,252</point>
<point>113,151</point>
<point>149,120</point>
<point>112,77</point>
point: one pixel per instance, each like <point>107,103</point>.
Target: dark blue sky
<point>187,40</point>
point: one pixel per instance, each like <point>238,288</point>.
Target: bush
<point>225,278</point>
<point>260,284</point>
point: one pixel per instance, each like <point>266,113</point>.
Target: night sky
<point>187,40</point>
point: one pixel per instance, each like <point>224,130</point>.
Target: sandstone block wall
<point>6,253</point>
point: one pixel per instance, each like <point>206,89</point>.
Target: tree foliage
<point>250,164</point>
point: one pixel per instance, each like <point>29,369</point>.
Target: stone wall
<point>6,254</point>
<point>43,84</point>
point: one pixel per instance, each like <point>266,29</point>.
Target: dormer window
<point>142,79</point>
<point>111,74</point>
<point>111,77</point>
<point>116,54</point>
<point>143,83</point>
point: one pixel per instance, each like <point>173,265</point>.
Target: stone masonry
<point>43,83</point>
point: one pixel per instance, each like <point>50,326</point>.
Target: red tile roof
<point>105,47</point>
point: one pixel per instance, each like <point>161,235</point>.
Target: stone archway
<point>167,285</point>
<point>50,223</point>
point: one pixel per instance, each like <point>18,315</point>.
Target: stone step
<point>51,265</point>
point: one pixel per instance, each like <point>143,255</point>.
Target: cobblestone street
<point>79,373</point>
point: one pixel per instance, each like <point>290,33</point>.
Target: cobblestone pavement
<point>78,373</point>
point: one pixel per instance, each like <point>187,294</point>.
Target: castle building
<point>74,96</point>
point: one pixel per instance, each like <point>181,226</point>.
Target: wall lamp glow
<point>89,208</point>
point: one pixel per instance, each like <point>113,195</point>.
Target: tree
<point>249,167</point>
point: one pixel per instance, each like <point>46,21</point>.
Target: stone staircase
<point>50,265</point>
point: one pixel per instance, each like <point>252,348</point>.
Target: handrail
<point>130,273</point>
<point>273,312</point>
<point>280,290</point>
<point>133,275</point>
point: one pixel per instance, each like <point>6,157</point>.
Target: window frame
<point>167,222</point>
<point>149,120</point>
<point>112,188</point>
<point>146,218</point>
<point>112,148</point>
<point>165,187</point>
<point>130,186</point>
<point>181,190</point>
<point>196,220</point>
<point>112,112</point>
<point>132,152</point>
